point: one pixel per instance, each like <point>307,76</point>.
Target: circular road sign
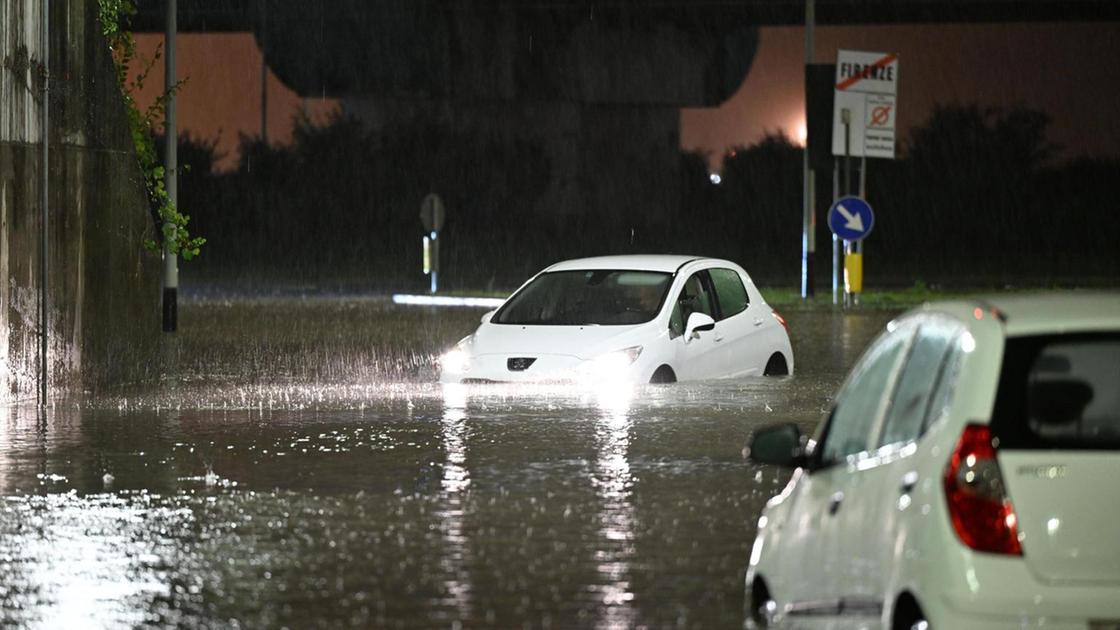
<point>432,212</point>
<point>851,218</point>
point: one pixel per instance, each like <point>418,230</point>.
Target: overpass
<point>595,87</point>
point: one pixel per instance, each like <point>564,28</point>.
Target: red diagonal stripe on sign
<point>847,83</point>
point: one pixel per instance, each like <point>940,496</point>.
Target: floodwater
<point>286,476</point>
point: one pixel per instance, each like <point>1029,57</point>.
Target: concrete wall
<point>103,310</point>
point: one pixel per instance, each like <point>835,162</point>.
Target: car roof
<point>649,262</point>
<point>1042,313</point>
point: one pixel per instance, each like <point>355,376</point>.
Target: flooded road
<point>302,469</point>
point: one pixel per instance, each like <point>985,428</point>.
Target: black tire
<point>662,375</point>
<point>759,600</point>
<point>908,614</point>
<point>776,366</point>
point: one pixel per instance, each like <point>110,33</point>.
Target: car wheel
<point>761,605</point>
<point>908,615</point>
<point>663,374</point>
<point>776,366</point>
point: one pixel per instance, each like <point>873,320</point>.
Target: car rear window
<point>1060,392</point>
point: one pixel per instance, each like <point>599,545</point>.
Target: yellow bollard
<point>853,273</point>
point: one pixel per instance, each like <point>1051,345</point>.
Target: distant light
<point>447,300</point>
<point>801,132</point>
<point>716,179</point>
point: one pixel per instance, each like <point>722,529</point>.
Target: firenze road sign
<point>866,86</point>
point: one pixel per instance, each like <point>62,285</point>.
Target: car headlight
<point>612,362</point>
<point>454,361</point>
<point>457,359</point>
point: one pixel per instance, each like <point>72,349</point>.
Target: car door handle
<point>759,321</point>
<point>909,480</point>
<point>834,502</point>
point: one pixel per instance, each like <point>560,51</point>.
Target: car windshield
<point>587,297</point>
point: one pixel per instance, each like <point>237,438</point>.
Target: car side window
<point>917,382</point>
<point>946,383</point>
<point>730,292</point>
<point>862,400</point>
<point>693,298</point>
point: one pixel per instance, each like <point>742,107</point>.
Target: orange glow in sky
<point>799,132</point>
<point>221,97</point>
<point>1067,70</point>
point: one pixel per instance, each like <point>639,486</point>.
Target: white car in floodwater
<point>634,319</point>
<point>965,477</point>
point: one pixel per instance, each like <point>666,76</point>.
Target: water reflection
<point>86,561</point>
<point>614,486</point>
<point>454,485</point>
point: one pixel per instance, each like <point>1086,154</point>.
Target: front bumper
<point>545,368</point>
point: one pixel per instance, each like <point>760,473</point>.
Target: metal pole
<point>863,177</point>
<point>44,305</point>
<point>264,73</point>
<point>835,239</point>
<point>435,259</point>
<point>858,247</point>
<point>170,176</point>
<point>862,190</point>
<point>808,242</point>
<point>846,118</point>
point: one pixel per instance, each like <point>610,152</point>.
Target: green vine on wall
<point>172,223</point>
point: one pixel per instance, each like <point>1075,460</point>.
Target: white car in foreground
<point>967,477</point>
<point>635,319</point>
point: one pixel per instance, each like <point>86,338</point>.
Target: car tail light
<point>781,320</point>
<point>979,508</point>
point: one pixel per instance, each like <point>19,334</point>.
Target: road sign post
<point>846,120</point>
<point>835,239</point>
<point>863,126</point>
<point>808,186</point>
<point>432,215</point>
<point>851,219</point>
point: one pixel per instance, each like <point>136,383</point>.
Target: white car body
<point>738,344</point>
<point>867,540</point>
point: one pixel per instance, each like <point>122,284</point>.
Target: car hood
<point>585,342</point>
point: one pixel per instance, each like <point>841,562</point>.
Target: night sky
<point>1068,70</point>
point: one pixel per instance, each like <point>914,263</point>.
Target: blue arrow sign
<point>851,218</point>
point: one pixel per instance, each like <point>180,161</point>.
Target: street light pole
<point>263,7</point>
<point>808,238</point>
<point>170,176</point>
<point>44,244</point>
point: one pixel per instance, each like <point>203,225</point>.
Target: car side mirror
<point>697,323</point>
<point>779,445</point>
<point>485,319</point>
